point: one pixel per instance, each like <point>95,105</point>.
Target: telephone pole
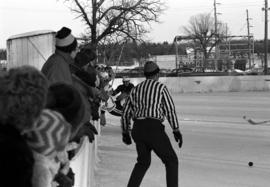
<point>216,32</point>
<point>265,9</point>
<point>248,30</point>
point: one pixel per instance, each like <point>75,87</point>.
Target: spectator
<point>48,140</point>
<point>23,94</point>
<point>56,68</point>
<point>66,99</point>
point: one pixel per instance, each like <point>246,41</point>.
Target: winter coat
<point>16,158</point>
<point>56,68</point>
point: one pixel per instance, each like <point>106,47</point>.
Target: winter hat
<point>66,99</point>
<point>65,41</point>
<point>51,133</point>
<point>23,93</point>
<point>150,68</point>
<point>126,79</point>
<point>84,56</point>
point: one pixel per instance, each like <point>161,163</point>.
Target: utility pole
<point>216,30</point>
<point>248,27</point>
<point>265,9</point>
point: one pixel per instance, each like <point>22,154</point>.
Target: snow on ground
<point>218,144</point>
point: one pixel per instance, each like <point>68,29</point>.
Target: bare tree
<point>201,28</point>
<point>115,20</point>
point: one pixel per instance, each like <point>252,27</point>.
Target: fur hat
<point>23,93</point>
<point>66,99</point>
<point>51,133</point>
<point>150,68</point>
<point>65,41</point>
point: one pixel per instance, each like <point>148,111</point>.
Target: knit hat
<point>51,133</point>
<point>65,41</point>
<point>84,56</point>
<point>66,99</point>
<point>150,68</point>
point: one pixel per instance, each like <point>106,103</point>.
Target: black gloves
<point>126,138</point>
<point>92,127</point>
<point>63,180</point>
<point>178,137</point>
<point>88,130</point>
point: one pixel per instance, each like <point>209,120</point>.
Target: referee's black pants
<point>149,134</point>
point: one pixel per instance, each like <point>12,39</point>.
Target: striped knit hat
<point>65,41</point>
<point>50,134</point>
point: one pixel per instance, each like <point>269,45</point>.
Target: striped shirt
<point>149,99</point>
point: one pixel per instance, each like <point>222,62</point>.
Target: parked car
<point>237,72</point>
<point>255,71</point>
<point>179,72</point>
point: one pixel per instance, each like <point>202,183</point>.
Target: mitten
<point>91,127</point>
<point>84,131</point>
<point>178,137</point>
<point>126,138</point>
<point>63,180</point>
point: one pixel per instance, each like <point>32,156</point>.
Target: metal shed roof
<point>32,33</point>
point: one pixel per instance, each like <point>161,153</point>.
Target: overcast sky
<point>19,16</point>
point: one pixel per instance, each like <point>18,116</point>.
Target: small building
<point>31,48</point>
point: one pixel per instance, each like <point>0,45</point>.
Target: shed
<point>31,48</point>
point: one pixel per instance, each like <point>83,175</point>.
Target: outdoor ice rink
<point>218,144</point>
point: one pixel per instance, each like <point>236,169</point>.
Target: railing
<point>84,162</point>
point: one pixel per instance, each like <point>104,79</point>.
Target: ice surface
<point>218,144</point>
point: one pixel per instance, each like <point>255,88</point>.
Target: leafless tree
<point>115,20</point>
<point>201,28</point>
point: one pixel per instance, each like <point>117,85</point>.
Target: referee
<point>148,104</point>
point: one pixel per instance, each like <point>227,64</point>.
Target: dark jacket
<point>16,158</point>
<point>123,89</point>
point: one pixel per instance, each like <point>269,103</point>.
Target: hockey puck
<point>250,164</point>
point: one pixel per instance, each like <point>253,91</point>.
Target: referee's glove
<point>126,138</point>
<point>178,137</point>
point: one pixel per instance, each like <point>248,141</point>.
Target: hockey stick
<point>250,121</point>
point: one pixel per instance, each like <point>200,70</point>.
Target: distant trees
<point>113,21</point>
<point>134,51</point>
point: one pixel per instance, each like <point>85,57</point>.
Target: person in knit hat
<point>48,140</point>
<point>56,68</point>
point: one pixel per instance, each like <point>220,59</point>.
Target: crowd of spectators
<point>46,113</point>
